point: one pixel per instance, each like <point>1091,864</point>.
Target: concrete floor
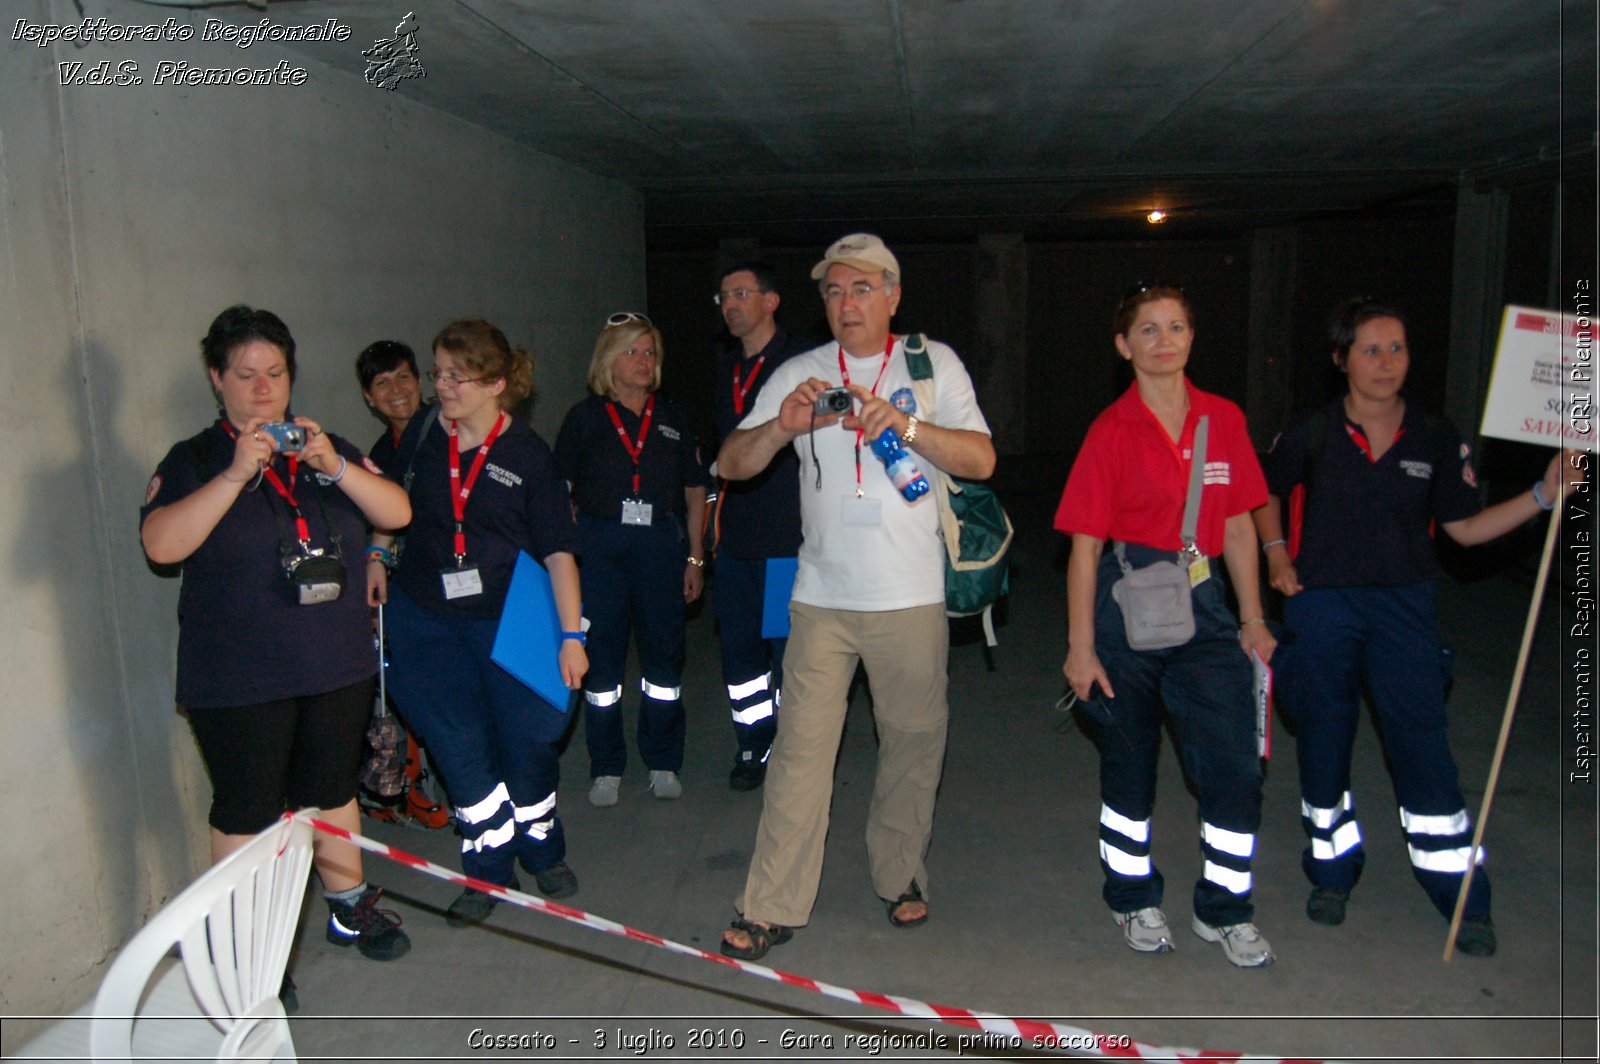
<point>1018,927</point>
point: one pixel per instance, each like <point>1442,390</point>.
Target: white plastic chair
<point>233,927</point>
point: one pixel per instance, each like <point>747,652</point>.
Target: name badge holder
<point>462,580</point>
<point>637,512</point>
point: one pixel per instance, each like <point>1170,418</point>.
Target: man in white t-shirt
<point>870,589</point>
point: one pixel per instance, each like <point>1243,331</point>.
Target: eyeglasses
<point>738,295</point>
<point>859,291</point>
<point>453,380</point>
<point>623,317</point>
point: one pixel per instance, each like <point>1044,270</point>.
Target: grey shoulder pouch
<point>1156,603</point>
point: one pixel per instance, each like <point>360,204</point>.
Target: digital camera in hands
<point>832,401</point>
<point>290,437</point>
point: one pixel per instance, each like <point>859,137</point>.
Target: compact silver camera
<point>833,401</point>
<point>290,437</point>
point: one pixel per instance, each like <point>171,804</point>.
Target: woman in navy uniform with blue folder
<point>639,491</point>
<point>485,488</point>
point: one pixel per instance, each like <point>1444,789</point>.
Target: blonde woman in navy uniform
<point>277,692</point>
<point>639,491</point>
<point>1371,475</point>
<point>485,487</point>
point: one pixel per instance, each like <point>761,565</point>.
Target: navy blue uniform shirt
<point>393,455</point>
<point>517,503</point>
<point>243,638</point>
<point>593,460</point>
<point>761,516</point>
<point>1366,523</point>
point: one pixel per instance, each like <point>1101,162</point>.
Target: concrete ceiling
<point>939,119</point>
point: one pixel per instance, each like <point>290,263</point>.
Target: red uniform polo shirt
<point>1129,481</point>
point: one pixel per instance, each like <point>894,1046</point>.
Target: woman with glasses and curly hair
<point>639,492</point>
<point>485,489</point>
<point>1131,484</point>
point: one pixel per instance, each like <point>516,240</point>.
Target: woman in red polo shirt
<point>1129,485</point>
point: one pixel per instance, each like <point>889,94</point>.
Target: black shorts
<point>294,753</point>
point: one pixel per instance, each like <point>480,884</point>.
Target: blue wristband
<point>1538,497</point>
<point>581,637</point>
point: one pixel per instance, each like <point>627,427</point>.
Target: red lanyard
<point>300,527</point>
<point>844,373</point>
<point>460,489</point>
<point>634,449</point>
<point>739,393</point>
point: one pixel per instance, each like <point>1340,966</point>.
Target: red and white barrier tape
<point>1035,1034</point>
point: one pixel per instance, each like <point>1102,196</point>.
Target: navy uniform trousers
<point>493,740</point>
<point>1388,639</point>
<point>633,577</point>
<point>1205,687</point>
<point>752,667</point>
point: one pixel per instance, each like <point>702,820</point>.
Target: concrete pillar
<point>999,367</point>
<point>1269,369</point>
<point>1476,302</point>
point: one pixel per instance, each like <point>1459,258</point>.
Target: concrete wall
<point>131,215</point>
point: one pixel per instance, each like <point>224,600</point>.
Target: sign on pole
<point>1542,388</point>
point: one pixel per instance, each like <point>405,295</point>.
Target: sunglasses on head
<point>1145,286</point>
<point>623,317</point>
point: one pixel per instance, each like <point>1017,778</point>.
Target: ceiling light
<point>1156,217</point>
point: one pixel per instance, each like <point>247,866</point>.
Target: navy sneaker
<point>472,907</point>
<point>374,931</point>
<point>1476,937</point>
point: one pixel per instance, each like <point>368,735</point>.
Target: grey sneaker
<point>604,791</point>
<point>1145,930</point>
<point>1241,943</point>
<point>664,782</point>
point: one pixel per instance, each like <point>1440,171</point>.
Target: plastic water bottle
<point>899,464</point>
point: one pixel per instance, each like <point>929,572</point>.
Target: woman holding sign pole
<point>1367,478</point>
<point>485,488</point>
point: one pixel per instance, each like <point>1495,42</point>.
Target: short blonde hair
<point>613,341</point>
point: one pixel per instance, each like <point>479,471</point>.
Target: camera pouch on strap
<point>317,578</point>
<point>1156,602</point>
<point>1157,610</point>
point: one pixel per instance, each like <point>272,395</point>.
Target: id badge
<point>1199,571</point>
<point>861,510</point>
<point>461,583</point>
<point>636,512</point>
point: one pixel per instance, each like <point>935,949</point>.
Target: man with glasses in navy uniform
<point>753,520</point>
<point>870,590</point>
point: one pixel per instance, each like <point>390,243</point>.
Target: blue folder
<point>775,601</point>
<point>528,641</point>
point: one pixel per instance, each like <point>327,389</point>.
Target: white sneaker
<point>1145,930</point>
<point>1242,943</point>
<point>604,791</point>
<point>664,783</point>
